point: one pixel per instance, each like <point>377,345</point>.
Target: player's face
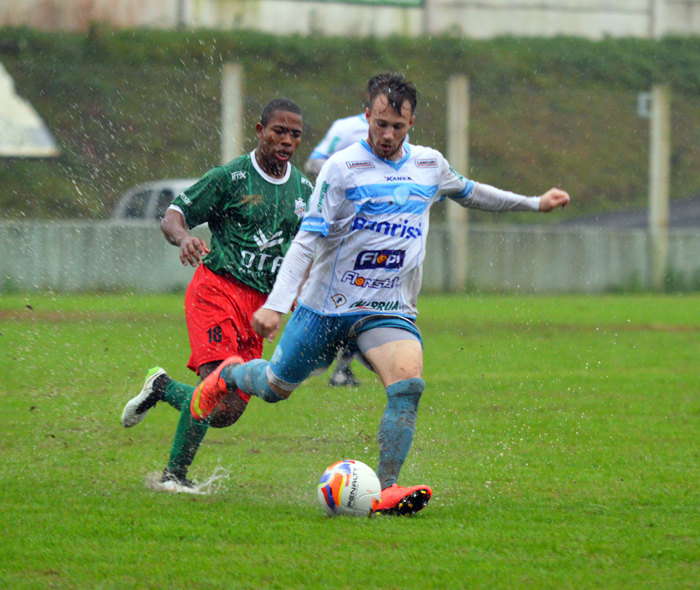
<point>387,128</point>
<point>277,141</point>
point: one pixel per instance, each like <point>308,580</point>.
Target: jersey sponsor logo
<point>338,299</point>
<point>299,207</point>
<point>252,200</point>
<point>368,283</point>
<point>324,190</point>
<point>307,182</point>
<point>240,175</point>
<point>264,242</point>
<point>252,264</point>
<point>375,305</point>
<point>386,259</point>
<point>185,200</point>
<point>359,164</point>
<point>398,179</point>
<point>402,230</point>
<point>429,163</point>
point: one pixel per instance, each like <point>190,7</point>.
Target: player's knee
<point>228,411</point>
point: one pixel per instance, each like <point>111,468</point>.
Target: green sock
<point>189,433</point>
<point>176,393</point>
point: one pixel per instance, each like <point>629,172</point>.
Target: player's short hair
<point>397,89</point>
<point>286,105</point>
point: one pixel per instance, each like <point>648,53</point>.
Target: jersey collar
<point>395,165</point>
<point>266,176</point>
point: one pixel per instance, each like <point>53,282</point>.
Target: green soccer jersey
<point>252,217</point>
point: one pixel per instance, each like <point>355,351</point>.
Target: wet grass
<point>560,435</point>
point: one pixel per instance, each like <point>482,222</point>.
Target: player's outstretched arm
<point>192,249</point>
<point>552,199</point>
<point>266,322</point>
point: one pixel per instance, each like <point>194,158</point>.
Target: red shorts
<point>218,310</point>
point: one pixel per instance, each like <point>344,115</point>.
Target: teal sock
<point>251,378</point>
<point>396,428</point>
<point>190,432</point>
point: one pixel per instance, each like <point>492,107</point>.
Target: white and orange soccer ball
<point>349,488</point>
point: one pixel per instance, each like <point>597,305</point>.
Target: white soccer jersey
<point>343,133</point>
<point>368,222</point>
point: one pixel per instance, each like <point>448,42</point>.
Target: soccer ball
<point>348,488</point>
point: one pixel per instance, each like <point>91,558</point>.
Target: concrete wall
<point>474,18</point>
<point>79,256</point>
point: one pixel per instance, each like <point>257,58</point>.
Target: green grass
<point>560,436</point>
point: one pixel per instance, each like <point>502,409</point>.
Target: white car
<point>149,201</point>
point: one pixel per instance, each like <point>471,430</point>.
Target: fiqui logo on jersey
<point>386,259</point>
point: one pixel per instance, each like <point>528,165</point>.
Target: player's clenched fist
<point>266,322</point>
<point>552,199</point>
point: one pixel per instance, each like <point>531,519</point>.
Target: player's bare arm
<point>192,249</point>
<point>552,199</point>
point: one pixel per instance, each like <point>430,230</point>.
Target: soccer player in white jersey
<point>363,240</point>
<point>342,133</point>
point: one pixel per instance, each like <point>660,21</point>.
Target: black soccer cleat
<point>151,393</point>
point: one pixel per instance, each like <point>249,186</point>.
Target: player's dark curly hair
<point>286,105</point>
<point>396,87</point>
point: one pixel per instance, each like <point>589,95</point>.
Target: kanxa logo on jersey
<point>369,283</point>
<point>375,305</point>
<point>387,259</point>
<point>240,175</point>
<point>402,230</point>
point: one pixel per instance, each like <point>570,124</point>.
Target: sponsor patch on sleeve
<point>429,163</point>
<point>359,164</point>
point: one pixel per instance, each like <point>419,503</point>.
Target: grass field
<point>560,436</point>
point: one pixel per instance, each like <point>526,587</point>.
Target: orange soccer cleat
<point>209,393</point>
<point>402,501</point>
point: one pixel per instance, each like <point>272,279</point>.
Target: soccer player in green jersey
<point>253,206</point>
